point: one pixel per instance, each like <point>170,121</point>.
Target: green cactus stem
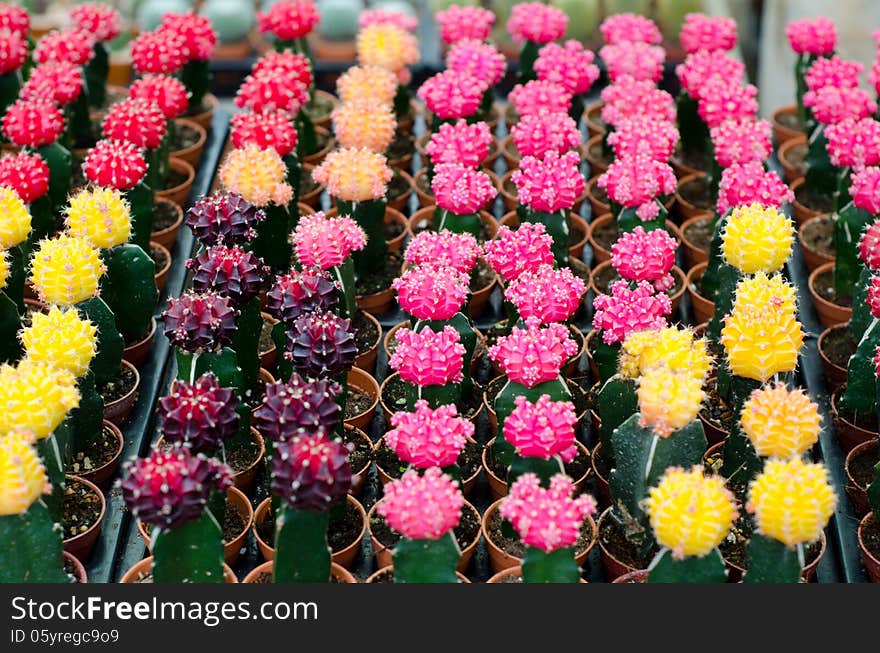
<point>279,337</point>
<point>693,130</point>
<point>105,365</point>
<point>302,554</point>
<point>849,224</point>
<point>468,223</point>
<point>14,290</point>
<point>307,137</point>
<point>344,275</point>
<point>10,324</point>
<point>426,561</point>
<point>556,566</point>
<point>861,312</point>
<point>272,243</point>
<point>617,402</point>
<point>224,365</point>
<point>861,374</point>
<point>196,76</point>
<point>527,58</point>
<point>246,341</point>
<point>577,108</point>
<point>54,451</point>
<point>691,569</point>
<point>78,131</point>
<point>191,553</point>
<point>402,99</point>
<point>728,278</point>
<point>294,176</point>
<point>821,176</point>
<point>741,461</point>
<point>605,357</point>
<point>10,85</point>
<point>86,420</point>
<point>558,225</point>
<point>435,395</point>
<point>841,193</point>
<point>59,161</point>
<point>770,561</point>
<point>627,220</point>
<point>129,289</point>
<point>31,549</point>
<point>140,198</point>
<point>544,469</point>
<point>42,223</point>
<point>95,72</point>
<point>370,215</point>
<point>801,66</point>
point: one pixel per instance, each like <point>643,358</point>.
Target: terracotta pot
<point>359,379</point>
<point>324,120</point>
<point>597,206</point>
<point>592,116</point>
<point>597,164</point>
<point>136,354</point>
<point>145,567</point>
<point>500,560</point>
<point>858,494</point>
<point>510,199</point>
<point>790,171</point>
<point>715,434</point>
<point>318,157</point>
<point>716,451</point>
<point>828,313</point>
<point>872,564</point>
<point>735,573</point>
<point>376,303</point>
<point>467,484</point>
<point>682,169</point>
<point>344,558</point>
<point>168,236</point>
<point>511,219</point>
<point>374,578</point>
<point>391,334</point>
<point>367,360</point>
<point>118,411</point>
<point>269,357</point>
<point>498,486</point>
<point>80,546</point>
<point>676,272</point>
<point>703,308</point>
<point>244,480</point>
<point>79,572</point>
<point>305,209</point>
<point>801,212</point>
<point>359,476</point>
<point>231,550</point>
<point>313,197</point>
<point>101,476</point>
<point>685,208</point>
<point>425,199</point>
<point>613,567</point>
<point>339,574</point>
<point>603,489</point>
<point>834,375</point>
<point>600,254</point>
<point>638,577</point>
<point>193,153</point>
<point>161,275</point>
<point>480,298</point>
<point>693,255</point>
<point>813,258</point>
<point>401,203</point>
<point>849,435</point>
<point>204,118</point>
<point>382,553</point>
<point>424,219</point>
<point>392,216</point>
<point>180,193</point>
<point>511,155</point>
<point>781,131</point>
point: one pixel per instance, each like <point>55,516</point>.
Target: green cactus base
<point>821,175</point>
<point>302,554</point>
<point>279,337</point>
<point>617,402</point>
<point>86,420</point>
<point>628,220</point>
<point>42,223</point>
<point>59,161</point>
<point>307,138</point>
<point>468,223</point>
<point>344,275</point>
<point>31,547</point>
<point>10,86</point>
<point>272,243</point>
<point>770,561</point>
<point>426,561</point>
<point>191,553</point>
<point>691,569</point>
<point>246,341</point>
<point>694,132</point>
<point>196,76</point>
<point>558,225</point>
<point>129,289</point>
<point>728,277</point>
<point>105,365</point>
<point>710,282</point>
<point>527,57</point>
<point>543,469</point>
<point>554,567</point>
<point>95,72</point>
<point>370,215</point>
<point>223,364</point>
<point>849,224</point>
<point>605,357</point>
<point>141,200</point>
<point>10,323</point>
<point>861,311</point>
<point>860,395</point>
<point>14,290</point>
<point>54,451</point>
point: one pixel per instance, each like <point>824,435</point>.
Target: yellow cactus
<point>388,46</point>
<point>35,396</point>
<point>757,239</point>
<point>670,346</point>
<point>780,423</point>
<point>792,501</point>
<point>690,513</point>
<point>4,269</point>
<point>668,400</point>
<point>354,174</point>
<point>766,291</point>
<point>22,475</point>
<point>66,270</point>
<point>15,220</point>
<point>101,215</point>
<point>364,123</point>
<point>371,82</point>
<point>259,176</point>
<point>61,338</point>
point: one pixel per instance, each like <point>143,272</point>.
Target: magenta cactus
<point>854,142</point>
<point>645,256</point>
<point>464,22</point>
<point>460,190</point>
<point>703,66</point>
<point>479,59</point>
<point>321,345</point>
<point>429,437</point>
<point>310,472</point>
<point>721,99</point>
<point>741,140</point>
<point>511,252</point>
<point>170,488</point>
<point>831,105</point>
<point>542,429</point>
<point>636,60</point>
<point>619,29</point>
<point>536,134</point>
<point>197,323</point>
<point>224,219</point>
<point>324,242</point>
<point>431,292</point>
<point>629,309</point>
<point>533,354</point>
<point>869,246</point>
<point>833,71</point>
<point>422,507</point>
<point>548,294</point>
<point>631,97</point>
<point>298,407</point>
<point>644,133</point>
<point>750,183</point>
<point>709,33</point>
<point>452,95</point>
<point>813,36</point>
<point>461,143</point>
<point>229,271</point>
<point>443,248</point>
<point>865,191</point>
<point>201,414</point>
<point>539,97</point>
<point>637,183</point>
<point>570,65</point>
<point>551,184</point>
<point>427,357</point>
<point>300,292</point>
<point>537,23</point>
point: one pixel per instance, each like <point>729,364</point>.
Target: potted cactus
<point>199,43</point>
<point>810,39</point>
<point>140,121</point>
<point>104,23</point>
<point>389,46</point>
<point>458,211</point>
<point>635,185</point>
<point>533,24</point>
<point>570,65</point>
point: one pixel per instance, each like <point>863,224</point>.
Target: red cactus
<point>115,164</point>
<point>269,129</point>
<point>33,123</point>
<point>13,50</point>
<point>27,174</point>
<point>202,414</point>
<point>198,34</point>
<point>100,20</point>
<point>137,121</point>
<point>160,52</point>
<point>70,45</point>
<point>168,93</point>
<point>310,472</point>
<point>59,80</point>
<point>197,323</point>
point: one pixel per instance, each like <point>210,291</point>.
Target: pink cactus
<point>268,92</point>
<point>288,64</point>
<point>534,135</point>
<point>511,253</point>
<point>701,66</point>
<point>59,81</point>
<point>637,182</point>
<point>869,246</point>
<point>13,50</point>
<point>539,97</point>
<point>570,65</point>
<point>461,143</point>
<point>627,310</point>
<point>546,518</point>
<point>645,256</point>
<point>199,37</point>
<point>874,296</point>
<point>542,429</point>
<point>479,59</point>
<point>832,105</point>
<point>323,242</point>
<point>168,93</point>
<point>399,19</point>
<point>536,22</point>
<point>459,23</point>
<point>644,133</point>
<point>429,437</point>
<point>721,100</point>
<point>422,507</point>
<point>33,123</point>
<point>451,95</point>
<point>630,28</point>
<point>636,60</point>
<point>428,357</point>
<point>546,293</point>
<point>15,19</point>
<point>162,52</point>
<point>115,164</point>
<point>25,173</point>
<point>269,129</point>
<point>833,71</point>
<point>865,190</point>
<point>431,291</point>
<point>815,36</point>
<point>631,97</point>
<point>712,33</point>
<point>445,248</point>
<point>749,183</point>
<point>551,184</point>
<point>853,142</point>
<point>290,19</point>
<point>137,121</point>
<point>100,20</point>
<point>70,45</point>
<point>741,140</point>
<point>533,354</point>
<point>461,190</point>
